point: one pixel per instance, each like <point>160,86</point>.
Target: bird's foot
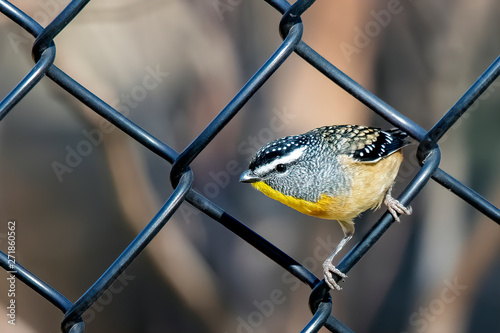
<point>395,207</point>
<point>329,270</point>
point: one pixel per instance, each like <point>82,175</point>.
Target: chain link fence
<point>291,30</point>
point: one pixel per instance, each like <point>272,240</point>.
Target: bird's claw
<point>395,207</point>
<point>329,270</point>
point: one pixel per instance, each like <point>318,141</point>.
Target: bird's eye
<point>281,168</point>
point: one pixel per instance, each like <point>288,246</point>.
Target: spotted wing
<point>365,144</point>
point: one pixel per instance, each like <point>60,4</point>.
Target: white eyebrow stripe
<point>285,159</point>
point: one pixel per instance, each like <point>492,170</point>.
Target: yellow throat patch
<point>323,208</point>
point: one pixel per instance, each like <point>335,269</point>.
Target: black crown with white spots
<point>277,149</point>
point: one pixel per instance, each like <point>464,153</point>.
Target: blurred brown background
<point>171,66</point>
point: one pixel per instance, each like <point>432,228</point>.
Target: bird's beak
<point>249,177</point>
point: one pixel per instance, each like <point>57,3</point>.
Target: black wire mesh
<point>182,178</point>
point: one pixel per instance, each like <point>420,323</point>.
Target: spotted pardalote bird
<point>332,172</point>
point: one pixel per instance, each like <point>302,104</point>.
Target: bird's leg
<point>395,207</point>
<point>328,268</point>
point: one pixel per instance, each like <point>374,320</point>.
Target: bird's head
<point>289,166</point>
